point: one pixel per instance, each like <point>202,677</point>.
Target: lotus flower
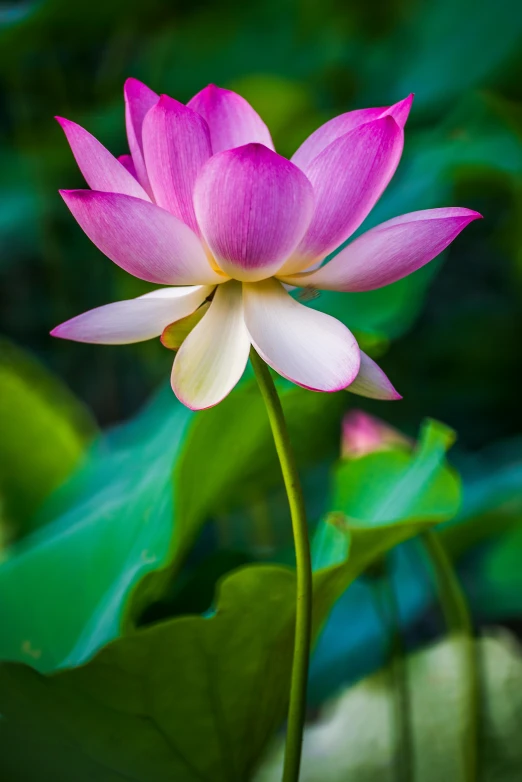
<point>205,206</point>
<point>363,434</point>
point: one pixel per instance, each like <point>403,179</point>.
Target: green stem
<point>451,597</point>
<point>388,609</point>
<point>458,620</point>
<point>303,619</point>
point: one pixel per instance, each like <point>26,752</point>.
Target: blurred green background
<point>456,349</point>
<point>101,533</point>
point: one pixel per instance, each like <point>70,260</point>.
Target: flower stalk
<point>389,613</point>
<point>458,622</point>
<point>303,621</point>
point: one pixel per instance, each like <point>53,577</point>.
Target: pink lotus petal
<point>400,111</point>
<point>389,251</point>
<point>102,171</point>
<point>143,239</point>
<point>363,434</point>
<point>134,320</point>
<point>372,382</point>
<point>128,163</point>
<point>348,177</point>
<point>139,99</point>
<point>307,347</point>
<point>176,142</point>
<point>231,119</point>
<point>344,123</point>
<point>213,357</point>
<point>253,207</point>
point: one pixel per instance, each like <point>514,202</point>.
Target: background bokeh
<point>92,508</point>
<point>457,343</point>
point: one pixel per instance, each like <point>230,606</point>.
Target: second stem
<point>458,621</point>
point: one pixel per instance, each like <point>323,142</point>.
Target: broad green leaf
<point>120,530</point>
<point>229,462</point>
<point>379,501</point>
<point>386,488</point>
<point>387,485</point>
<point>45,432</point>
<point>218,682</point>
<point>356,735</point>
<point>482,541</point>
<point>63,590</point>
<point>231,446</point>
<point>189,700</point>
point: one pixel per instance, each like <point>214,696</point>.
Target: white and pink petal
<point>231,119</point>
<point>372,382</point>
<point>145,240</point>
<point>213,357</point>
<point>253,207</point>
<point>133,320</point>
<point>102,171</point>
<point>307,347</point>
<point>389,251</point>
<point>176,143</point>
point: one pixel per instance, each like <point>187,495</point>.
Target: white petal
<point>133,320</point>
<point>214,355</point>
<point>372,382</point>
<point>308,347</point>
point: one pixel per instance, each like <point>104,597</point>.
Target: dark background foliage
<point>299,63</point>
